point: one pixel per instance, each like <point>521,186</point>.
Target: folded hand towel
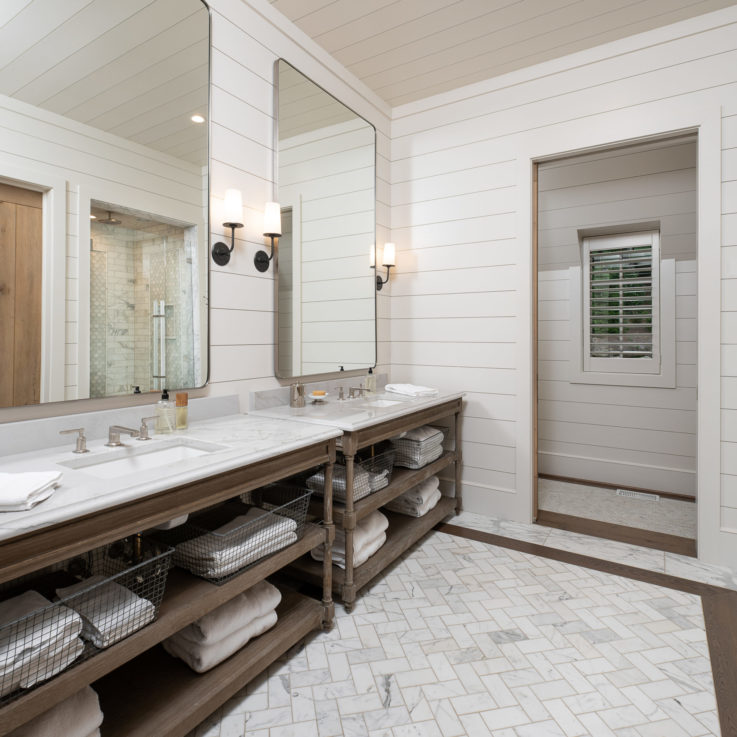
<point>423,434</point>
<point>367,530</point>
<point>359,557</point>
<point>110,611</point>
<point>77,716</point>
<point>417,460</point>
<point>378,480</point>
<point>21,491</point>
<point>419,494</point>
<point>361,483</point>
<point>201,658</point>
<point>412,509</point>
<point>232,616</point>
<point>411,390</point>
<point>218,554</point>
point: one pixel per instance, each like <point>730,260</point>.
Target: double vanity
<point>110,493</point>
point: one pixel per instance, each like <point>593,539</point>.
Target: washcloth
<point>415,510</point>
<point>21,491</point>
<point>77,716</point>
<point>218,554</point>
<point>359,557</point>
<point>110,611</point>
<point>411,390</point>
<point>201,658</point>
<point>361,483</point>
<point>232,616</point>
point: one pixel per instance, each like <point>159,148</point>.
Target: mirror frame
<point>275,194</point>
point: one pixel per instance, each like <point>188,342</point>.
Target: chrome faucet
<point>113,440</point>
<point>81,439</point>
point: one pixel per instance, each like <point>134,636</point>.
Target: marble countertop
<point>350,415</point>
<point>242,439</point>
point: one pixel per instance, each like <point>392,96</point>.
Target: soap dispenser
<point>165,414</point>
<point>371,382</point>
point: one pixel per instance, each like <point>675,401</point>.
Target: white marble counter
<point>350,415</point>
<point>243,440</point>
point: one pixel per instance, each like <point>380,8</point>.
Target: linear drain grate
<point>638,495</point>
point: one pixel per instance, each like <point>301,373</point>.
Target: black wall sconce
<point>388,259</point>
<point>272,229</point>
<point>233,215</point>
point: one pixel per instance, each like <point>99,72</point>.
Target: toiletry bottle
<point>371,382</point>
<point>182,410</point>
<point>165,414</point>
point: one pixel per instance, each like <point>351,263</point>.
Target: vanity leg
<point>327,566</point>
<point>458,462</point>
<point>349,524</point>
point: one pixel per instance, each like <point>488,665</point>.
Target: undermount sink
<point>134,459</point>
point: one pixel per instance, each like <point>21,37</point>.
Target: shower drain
<point>638,495</point>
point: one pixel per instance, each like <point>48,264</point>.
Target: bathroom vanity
<point>143,691</point>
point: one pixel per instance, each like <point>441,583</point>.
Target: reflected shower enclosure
<point>143,281</point>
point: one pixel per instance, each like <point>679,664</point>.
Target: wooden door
<point>21,263</point>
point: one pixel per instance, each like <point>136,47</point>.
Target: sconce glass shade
<point>233,208</point>
<point>272,219</point>
<point>389,257</point>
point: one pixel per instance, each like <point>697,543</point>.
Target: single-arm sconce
<point>233,211</point>
<point>272,229</point>
<point>388,260</point>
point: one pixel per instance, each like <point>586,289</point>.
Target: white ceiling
<point>405,50</point>
<point>134,68</point>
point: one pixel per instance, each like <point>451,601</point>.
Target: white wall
<point>461,218</point>
<point>627,435</point>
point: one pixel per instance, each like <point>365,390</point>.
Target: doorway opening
<point>614,257</point>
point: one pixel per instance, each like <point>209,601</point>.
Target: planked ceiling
<point>134,68</point>
<point>405,50</point>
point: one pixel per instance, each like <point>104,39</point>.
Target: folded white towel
<point>202,657</point>
<point>418,459</point>
<point>419,494</point>
<point>412,509</point>
<point>359,557</point>
<point>361,483</point>
<point>411,390</point>
<point>367,530</point>
<point>425,435</point>
<point>232,616</point>
<point>110,611</point>
<point>217,554</point>
<point>77,716</point>
<point>21,491</point>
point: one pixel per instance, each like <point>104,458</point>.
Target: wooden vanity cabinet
<point>143,691</point>
<point>403,531</point>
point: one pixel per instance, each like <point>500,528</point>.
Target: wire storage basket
<point>370,473</point>
<point>418,447</point>
<point>223,541</point>
<point>63,614</point>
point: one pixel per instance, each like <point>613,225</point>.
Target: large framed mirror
<point>325,184</point>
<point>104,198</point>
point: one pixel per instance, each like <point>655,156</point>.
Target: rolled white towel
<point>77,716</point>
<point>359,557</point>
<point>218,554</point>
<point>232,616</point>
<point>411,390</point>
<point>202,657</point>
<point>412,509</point>
<point>110,611</point>
<point>21,491</point>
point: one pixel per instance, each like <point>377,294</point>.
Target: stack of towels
<point>77,716</point>
<point>368,537</point>
<point>38,639</point>
<point>416,448</point>
<point>364,482</point>
<point>419,500</point>
<point>411,390</point>
<point>21,491</point>
<point>225,630</point>
<point>109,611</point>
<point>227,549</point>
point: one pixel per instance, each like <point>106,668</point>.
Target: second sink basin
<point>129,459</point>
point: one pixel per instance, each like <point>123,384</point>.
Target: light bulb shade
<point>233,207</point>
<point>372,257</point>
<point>388,258</point>
<point>272,219</point>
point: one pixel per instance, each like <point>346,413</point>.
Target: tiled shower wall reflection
<point>130,270</point>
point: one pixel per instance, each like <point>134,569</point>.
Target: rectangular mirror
<point>104,192</point>
<point>326,177</point>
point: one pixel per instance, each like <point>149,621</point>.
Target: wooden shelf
<point>187,598</point>
<point>403,532</point>
<point>156,694</point>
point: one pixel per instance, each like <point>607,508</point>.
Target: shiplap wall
<point>626,435</point>
<point>458,219</point>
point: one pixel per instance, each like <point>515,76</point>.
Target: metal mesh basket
<point>223,541</point>
<point>103,596</point>
<point>417,453</point>
<point>369,474</point>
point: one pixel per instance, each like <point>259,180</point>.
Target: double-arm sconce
<point>388,260</point>
<point>233,212</point>
<point>272,229</point>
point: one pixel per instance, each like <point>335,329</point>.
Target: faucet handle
<point>81,439</point>
<point>143,431</point>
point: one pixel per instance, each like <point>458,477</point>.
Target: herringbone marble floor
<point>464,638</point>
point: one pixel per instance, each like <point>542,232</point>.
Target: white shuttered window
<point>621,295</point>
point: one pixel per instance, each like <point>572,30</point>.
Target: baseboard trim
<point>607,485</point>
